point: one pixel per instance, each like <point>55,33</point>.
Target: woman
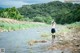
<point>53,30</point>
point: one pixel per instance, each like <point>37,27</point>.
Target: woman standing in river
<point>53,31</point>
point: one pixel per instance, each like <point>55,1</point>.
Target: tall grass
<point>75,24</point>
<point>17,26</point>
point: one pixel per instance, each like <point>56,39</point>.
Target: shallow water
<point>17,41</point>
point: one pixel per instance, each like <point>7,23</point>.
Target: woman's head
<point>53,22</point>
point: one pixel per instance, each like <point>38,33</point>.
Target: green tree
<point>12,13</point>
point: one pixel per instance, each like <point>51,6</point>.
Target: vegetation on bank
<point>61,12</point>
<point>12,25</point>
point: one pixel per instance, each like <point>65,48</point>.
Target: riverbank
<point>12,25</point>
<point>68,37</point>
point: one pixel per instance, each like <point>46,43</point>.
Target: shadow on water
<point>17,41</point>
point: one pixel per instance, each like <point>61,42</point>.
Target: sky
<point>19,3</point>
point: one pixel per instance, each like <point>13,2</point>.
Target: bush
<point>45,19</point>
<point>26,19</point>
<point>48,19</point>
<point>38,19</point>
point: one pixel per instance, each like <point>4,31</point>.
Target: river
<point>17,41</point>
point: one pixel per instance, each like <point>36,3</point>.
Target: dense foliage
<point>10,13</point>
<point>61,12</point>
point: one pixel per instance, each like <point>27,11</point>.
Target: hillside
<point>61,12</point>
<point>52,9</point>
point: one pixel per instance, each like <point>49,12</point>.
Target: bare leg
<point>53,37</point>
